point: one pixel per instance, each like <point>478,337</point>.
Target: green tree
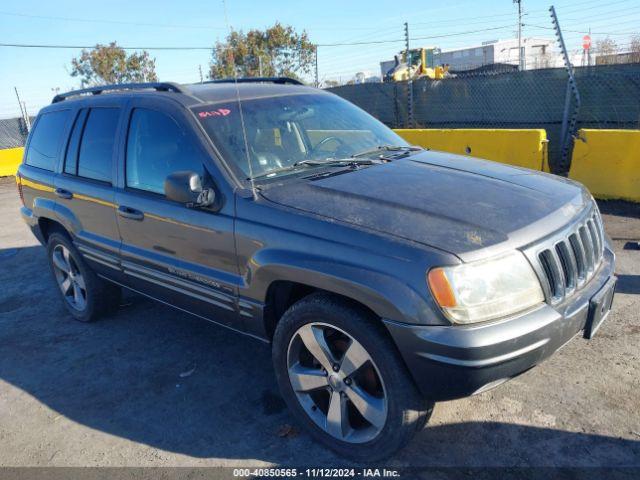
<point>106,64</point>
<point>275,52</point>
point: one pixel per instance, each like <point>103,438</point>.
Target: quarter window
<point>46,139</point>
<point>156,148</point>
<point>96,147</point>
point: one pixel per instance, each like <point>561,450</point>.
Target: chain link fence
<point>610,97</point>
<point>13,133</point>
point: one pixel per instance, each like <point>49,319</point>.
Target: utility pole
<point>316,61</point>
<point>259,65</point>
<point>200,71</point>
<point>520,62</point>
<point>410,78</point>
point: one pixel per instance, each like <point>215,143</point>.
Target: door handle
<point>62,193</point>
<point>131,213</point>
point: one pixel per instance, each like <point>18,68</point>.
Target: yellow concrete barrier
<point>607,162</point>
<point>520,147</point>
<point>10,159</point>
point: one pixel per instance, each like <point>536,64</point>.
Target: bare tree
<point>634,49</point>
<point>606,50</point>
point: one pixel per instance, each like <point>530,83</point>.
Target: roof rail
<point>279,80</point>
<point>159,86</point>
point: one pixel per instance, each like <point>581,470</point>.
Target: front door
<point>182,256</point>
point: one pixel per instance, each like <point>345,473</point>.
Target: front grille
<point>569,262</point>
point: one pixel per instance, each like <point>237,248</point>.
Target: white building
<point>536,52</point>
<point>365,77</point>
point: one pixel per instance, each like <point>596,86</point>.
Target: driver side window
<point>157,147</point>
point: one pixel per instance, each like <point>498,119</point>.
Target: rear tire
<point>86,296</point>
<point>394,410</point>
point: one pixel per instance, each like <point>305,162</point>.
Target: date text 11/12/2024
<point>316,472</point>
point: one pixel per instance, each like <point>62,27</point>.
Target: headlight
<point>486,290</point>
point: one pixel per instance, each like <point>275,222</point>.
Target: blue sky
<point>200,23</point>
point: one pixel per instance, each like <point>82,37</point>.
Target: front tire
<point>86,296</point>
<point>343,379</point>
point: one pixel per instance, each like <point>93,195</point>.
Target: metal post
<point>27,120</point>
<point>569,118</point>
<point>23,111</point>
<point>589,50</point>
<point>317,83</point>
<point>200,70</point>
<point>410,82</point>
<point>520,59</point>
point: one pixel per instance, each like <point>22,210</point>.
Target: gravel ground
<point>152,386</point>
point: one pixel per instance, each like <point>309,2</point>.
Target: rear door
<point>85,188</point>
<point>179,255</point>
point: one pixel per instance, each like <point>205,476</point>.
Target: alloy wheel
<point>337,383</point>
<point>69,278</point>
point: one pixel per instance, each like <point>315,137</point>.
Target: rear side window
<point>96,147</point>
<point>157,147</point>
<point>46,139</point>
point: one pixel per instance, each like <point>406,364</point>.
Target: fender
<point>68,219</point>
<point>387,296</point>
<point>44,208</point>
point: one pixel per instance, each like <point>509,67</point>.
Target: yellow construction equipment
<point>417,63</point>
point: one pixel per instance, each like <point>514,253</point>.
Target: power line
<point>585,32</point>
<point>116,22</point>
<point>570,16</point>
<point>337,44</point>
<point>526,12</point>
<point>462,33</point>
<point>28,45</point>
<point>430,37</point>
<point>376,42</point>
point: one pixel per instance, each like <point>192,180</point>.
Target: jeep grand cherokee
<point>386,277</point>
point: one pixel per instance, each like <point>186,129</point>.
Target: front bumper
<point>450,362</point>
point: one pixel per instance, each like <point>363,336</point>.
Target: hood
<point>458,204</point>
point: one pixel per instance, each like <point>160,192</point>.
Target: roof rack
<point>159,86</point>
<point>279,80</point>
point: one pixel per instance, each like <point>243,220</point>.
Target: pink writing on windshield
<point>221,112</point>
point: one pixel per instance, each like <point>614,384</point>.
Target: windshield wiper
<point>279,170</point>
<point>336,161</point>
<point>316,163</point>
<point>387,148</point>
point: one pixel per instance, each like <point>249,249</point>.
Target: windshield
<point>283,131</point>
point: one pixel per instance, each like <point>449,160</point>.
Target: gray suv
<point>386,277</point>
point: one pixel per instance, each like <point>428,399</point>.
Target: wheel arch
<point>288,277</point>
<point>282,294</point>
<point>48,226</point>
<point>52,216</point>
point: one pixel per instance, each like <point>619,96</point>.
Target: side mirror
<point>186,187</point>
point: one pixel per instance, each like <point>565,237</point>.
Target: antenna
<point>244,130</point>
